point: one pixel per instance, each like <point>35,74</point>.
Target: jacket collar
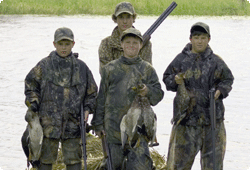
<point>187,50</point>
<point>75,79</point>
<point>130,61</point>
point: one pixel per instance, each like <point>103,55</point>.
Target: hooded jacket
<point>59,86</point>
<point>116,93</point>
<point>202,72</point>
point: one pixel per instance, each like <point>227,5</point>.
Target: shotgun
<point>155,25</point>
<point>213,121</point>
<point>83,135</point>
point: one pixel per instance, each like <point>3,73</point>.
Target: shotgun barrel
<point>213,121</point>
<point>155,25</point>
<point>83,135</point>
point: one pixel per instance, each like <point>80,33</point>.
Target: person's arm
<point>153,87</point>
<point>223,79</point>
<point>89,104</point>
<point>98,117</point>
<point>32,87</point>
<point>169,76</point>
<point>105,52</point>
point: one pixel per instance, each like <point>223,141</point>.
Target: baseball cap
<point>124,7</point>
<point>201,27</point>
<point>63,33</point>
<point>132,31</point>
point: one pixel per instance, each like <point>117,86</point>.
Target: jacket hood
<point>187,50</point>
<point>130,61</point>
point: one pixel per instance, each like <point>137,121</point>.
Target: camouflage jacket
<point>202,72</point>
<point>110,49</point>
<point>60,86</point>
<point>116,93</point>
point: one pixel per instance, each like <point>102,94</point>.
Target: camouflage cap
<point>63,33</point>
<point>132,31</point>
<point>124,7</point>
<point>200,26</point>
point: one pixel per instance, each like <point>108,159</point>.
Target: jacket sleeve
<point>98,117</point>
<point>91,93</point>
<point>155,93</point>
<point>105,53</point>
<point>223,78</point>
<point>33,84</point>
<point>170,73</point>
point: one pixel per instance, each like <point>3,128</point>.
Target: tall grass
<point>142,7</point>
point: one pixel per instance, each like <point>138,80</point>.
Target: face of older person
<point>124,21</point>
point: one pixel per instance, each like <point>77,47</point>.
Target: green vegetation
<point>142,7</point>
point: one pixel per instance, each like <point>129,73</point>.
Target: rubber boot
<point>45,167</point>
<point>74,167</point>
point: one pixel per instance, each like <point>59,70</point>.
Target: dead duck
<point>130,124</point>
<point>33,136</point>
<point>184,102</point>
<point>140,119</point>
<point>149,124</point>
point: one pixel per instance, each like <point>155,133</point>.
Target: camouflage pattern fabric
<point>116,93</point>
<point>192,133</point>
<point>187,141</point>
<point>201,72</point>
<point>110,49</point>
<point>71,150</point>
<point>136,158</point>
<point>60,86</point>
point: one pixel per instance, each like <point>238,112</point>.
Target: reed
<point>142,7</point>
<point>95,156</point>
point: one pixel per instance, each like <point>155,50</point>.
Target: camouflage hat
<point>63,33</point>
<point>124,7</point>
<point>201,27</point>
<point>132,31</point>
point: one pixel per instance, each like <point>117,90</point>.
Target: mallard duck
<point>130,124</point>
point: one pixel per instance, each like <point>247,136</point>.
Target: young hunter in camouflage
<point>110,47</point>
<point>191,133</point>
<point>116,95</point>
<point>56,88</point>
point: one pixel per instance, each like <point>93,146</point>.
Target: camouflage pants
<point>71,150</point>
<point>137,158</point>
<point>187,141</point>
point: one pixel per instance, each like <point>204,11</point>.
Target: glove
<point>34,106</point>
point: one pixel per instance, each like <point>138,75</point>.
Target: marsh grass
<point>95,156</point>
<point>142,7</point>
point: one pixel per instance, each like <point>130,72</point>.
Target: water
<point>25,40</point>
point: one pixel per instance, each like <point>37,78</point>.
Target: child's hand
<point>217,94</point>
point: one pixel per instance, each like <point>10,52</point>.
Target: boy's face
<point>64,47</point>
<point>124,21</point>
<point>199,43</point>
<point>131,46</point>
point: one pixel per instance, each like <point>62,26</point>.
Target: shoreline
<point>171,17</point>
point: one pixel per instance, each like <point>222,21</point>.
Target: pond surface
<point>27,39</point>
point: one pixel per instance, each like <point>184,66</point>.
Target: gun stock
<point>155,25</point>
<point>213,121</point>
<point>83,135</point>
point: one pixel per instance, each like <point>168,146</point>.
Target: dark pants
<point>187,141</point>
<point>131,158</point>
